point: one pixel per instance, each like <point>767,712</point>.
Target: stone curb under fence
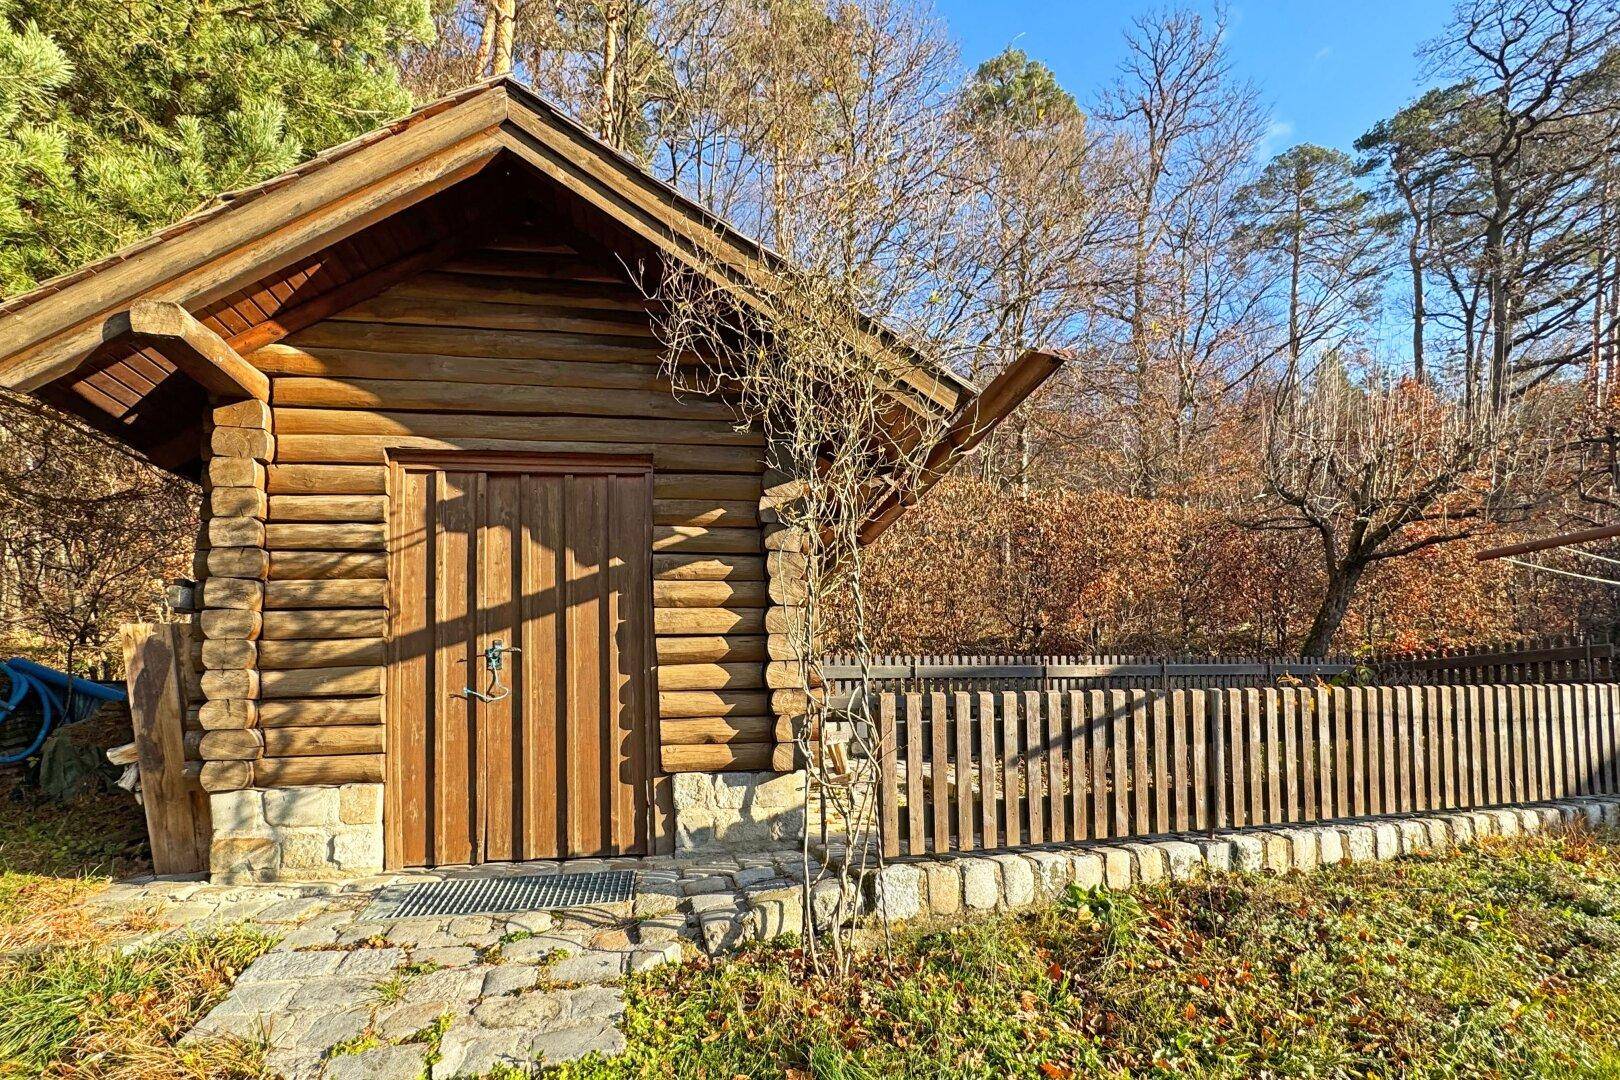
<point>953,885</point>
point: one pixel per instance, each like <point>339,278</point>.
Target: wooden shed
<point>423,397</point>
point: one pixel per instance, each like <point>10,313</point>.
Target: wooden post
<point>157,709</point>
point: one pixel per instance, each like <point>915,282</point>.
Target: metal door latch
<point>493,663</point>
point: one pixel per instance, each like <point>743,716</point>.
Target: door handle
<point>493,662</point>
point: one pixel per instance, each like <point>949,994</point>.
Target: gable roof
<point>270,258</point>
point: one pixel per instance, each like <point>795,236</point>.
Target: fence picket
<point>1159,704</point>
<point>916,844</point>
<point>964,770</point>
<point>1056,742</point>
<point>1119,758</point>
<point>1097,709</point>
<point>1079,777</point>
<point>939,791</point>
<point>1012,827</point>
<point>990,793</point>
<point>1034,767</point>
<point>888,788</point>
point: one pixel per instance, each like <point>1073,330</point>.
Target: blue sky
<point>1327,71</point>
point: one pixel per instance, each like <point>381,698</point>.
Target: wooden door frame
<point>533,463</point>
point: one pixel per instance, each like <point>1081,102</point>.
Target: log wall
<point>521,346</point>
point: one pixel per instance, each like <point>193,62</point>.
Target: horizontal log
<point>323,682</point>
<point>318,565</point>
<point>336,769</point>
<point>779,538</point>
<point>788,590</point>
<point>786,675</point>
<point>325,537</point>
<point>709,594</point>
<point>228,714</point>
<point>689,622</point>
<point>240,594</point>
<point>710,513</point>
<point>732,757</point>
<point>326,480</point>
<point>320,712</point>
<point>715,730</point>
<point>688,539</point>
<point>329,593</point>
<point>318,625</point>
<point>247,413</point>
<point>713,703</point>
<point>708,568</point>
<point>460,312</point>
<point>786,757</point>
<point>330,739</point>
<point>473,397</point>
<point>225,775</point>
<point>333,420</point>
<point>241,745</point>
<point>706,486</point>
<point>792,621</point>
<point>792,702</point>
<point>486,370</point>
<point>343,652</point>
<point>373,449</point>
<point>502,288</point>
<point>238,442</point>
<point>711,649</point>
<point>739,676</point>
<point>786,647</point>
<point>227,472</point>
<point>237,562</point>
<point>237,502</point>
<point>219,654</point>
<point>348,509</point>
<point>219,685</point>
<point>235,532</point>
<point>470,341</point>
<point>226,623</point>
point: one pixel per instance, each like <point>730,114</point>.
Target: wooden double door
<point>546,757</point>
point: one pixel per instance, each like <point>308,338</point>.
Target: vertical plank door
<point>551,556</point>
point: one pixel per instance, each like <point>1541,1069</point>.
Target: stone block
<point>358,849</point>
<point>380,1063</point>
<point>981,884</point>
<point>1462,828</point>
<point>774,912</point>
<point>1052,874</point>
<point>1360,843</point>
<point>1279,852</point>
<point>301,806</point>
<point>238,813</point>
<point>1017,880</point>
<point>305,849</point>
<point>944,887</point>
<point>1484,823</point>
<point>897,892</point>
<point>1085,869</point>
<point>1151,865</point>
<point>1414,836</point>
<point>1183,860</point>
<point>1248,852</point>
<point>360,804</point>
<point>1306,849</point>
<point>1439,833</point>
<point>1117,867</point>
<point>1386,841</point>
<point>1329,846</point>
<point>242,858</point>
<point>1217,854</point>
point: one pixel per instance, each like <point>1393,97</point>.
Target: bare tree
<point>1376,470</point>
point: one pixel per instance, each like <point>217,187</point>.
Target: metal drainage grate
<point>490,895</point>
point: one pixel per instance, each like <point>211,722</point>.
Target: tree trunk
<point>1415,259</point>
<point>505,20</point>
<point>1341,589</point>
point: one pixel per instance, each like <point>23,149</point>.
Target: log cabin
<point>475,585</point>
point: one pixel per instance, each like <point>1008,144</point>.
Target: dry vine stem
<point>840,430</point>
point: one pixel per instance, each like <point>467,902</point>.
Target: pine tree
<point>123,115</point>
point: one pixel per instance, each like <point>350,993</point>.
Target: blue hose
<point>51,688</point>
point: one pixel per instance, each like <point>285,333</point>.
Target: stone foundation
<point>297,833</point>
<point>738,811</point>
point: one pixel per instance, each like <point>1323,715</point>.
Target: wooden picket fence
<point>1551,660</point>
<point>975,771</point>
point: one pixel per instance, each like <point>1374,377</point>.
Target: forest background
<point>1235,459</point>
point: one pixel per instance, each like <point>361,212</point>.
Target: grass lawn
<point>1502,961</point>
<point>72,1002</point>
